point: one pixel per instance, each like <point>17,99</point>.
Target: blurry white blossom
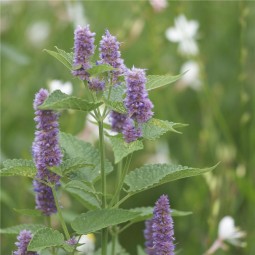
<point>161,154</point>
<point>87,244</point>
<point>76,14</point>
<point>227,232</point>
<point>65,87</point>
<point>38,33</point>
<point>192,76</point>
<point>184,32</point>
<point>159,5</point>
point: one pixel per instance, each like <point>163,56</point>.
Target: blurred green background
<point>220,114</point>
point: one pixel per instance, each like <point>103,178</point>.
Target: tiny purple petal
<point>117,121</point>
<point>137,102</point>
<point>130,132</point>
<point>24,238</point>
<point>72,241</point>
<point>83,50</point>
<point>148,237</point>
<point>96,84</point>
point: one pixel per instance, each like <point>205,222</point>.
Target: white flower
<point>184,32</point>
<point>38,33</point>
<point>87,244</point>
<point>191,77</point>
<point>227,231</point>
<point>65,87</point>
<point>159,5</point>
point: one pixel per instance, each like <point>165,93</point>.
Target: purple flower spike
<point>148,237</point>
<point>24,238</point>
<point>137,102</point>
<point>162,228</point>
<point>96,84</point>
<point>130,132</point>
<point>46,153</point>
<point>83,50</point>
<point>118,121</point>
<point>110,54</point>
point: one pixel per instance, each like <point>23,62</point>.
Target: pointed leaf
<point>154,128</point>
<point>28,212</point>
<point>147,212</point>
<point>62,57</point>
<point>74,164</point>
<point>84,192</point>
<point>74,148</point>
<point>18,167</point>
<point>121,149</point>
<point>16,229</point>
<point>60,101</point>
<point>157,81</point>
<point>45,238</point>
<point>95,220</point>
<point>98,69</point>
<point>150,176</point>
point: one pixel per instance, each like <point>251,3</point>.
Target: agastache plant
<point>112,91</point>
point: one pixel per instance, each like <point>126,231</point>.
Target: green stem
<point>114,239</point>
<point>103,183</point>
<point>122,200</point>
<point>61,219</point>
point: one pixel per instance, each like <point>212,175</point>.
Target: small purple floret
<point>72,241</point>
<point>24,238</point>
<point>162,228</point>
<point>96,84</point>
<point>117,121</point>
<point>110,54</point>
<point>148,237</point>
<point>83,50</point>
<point>137,102</point>
<point>130,132</point>
<point>46,153</point>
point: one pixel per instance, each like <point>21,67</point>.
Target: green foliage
<point>44,238</point>
<point>62,56</point>
<point>154,128</point>
<point>28,212</point>
<point>118,249</point>
<point>147,212</point>
<point>60,101</point>
<point>85,192</point>
<point>14,230</point>
<point>18,167</point>
<point>99,69</point>
<point>121,149</point>
<point>150,176</point>
<point>158,81</point>
<point>140,251</point>
<point>113,97</point>
<point>93,221</point>
<point>74,148</point>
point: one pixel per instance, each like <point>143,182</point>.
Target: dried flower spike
<point>83,50</point>
<point>24,238</point>
<point>137,102</point>
<point>46,153</point>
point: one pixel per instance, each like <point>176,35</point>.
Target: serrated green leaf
<point>18,167</point>
<point>121,149</point>
<point>157,81</point>
<point>147,212</point>
<point>93,221</point>
<point>16,229</point>
<point>98,69</point>
<point>45,238</point>
<point>60,101</point>
<point>150,176</point>
<point>74,148</point>
<point>74,164</point>
<point>62,56</point>
<point>154,128</point>
<point>84,192</point>
<point>113,98</point>
<point>28,212</point>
